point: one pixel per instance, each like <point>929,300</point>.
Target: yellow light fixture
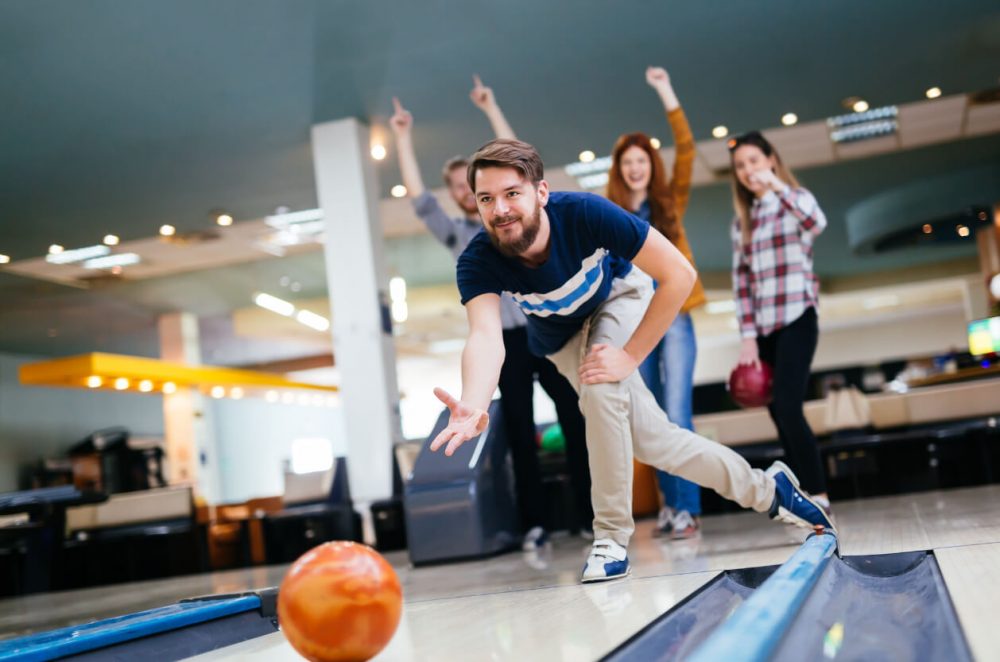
<point>76,371</point>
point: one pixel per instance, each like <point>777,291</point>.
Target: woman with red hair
<point>638,182</point>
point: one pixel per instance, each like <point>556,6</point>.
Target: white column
<point>191,451</point>
<point>361,325</point>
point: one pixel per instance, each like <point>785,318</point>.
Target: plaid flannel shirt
<point>773,279</point>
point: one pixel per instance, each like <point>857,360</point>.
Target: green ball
<point>553,440</point>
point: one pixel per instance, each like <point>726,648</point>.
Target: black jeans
<point>517,386</point>
<point>790,352</point>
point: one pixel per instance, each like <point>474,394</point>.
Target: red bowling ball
<point>751,386</point>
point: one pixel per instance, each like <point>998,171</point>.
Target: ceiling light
<point>94,381</point>
<point>225,220</point>
<point>789,119</point>
<point>121,383</point>
<point>720,131</point>
<point>933,92</point>
<point>860,106</point>
<point>398,191</point>
<point>586,156</point>
<point>4,259</point>
<point>378,152</point>
<point>274,304</point>
<point>400,311</point>
<point>112,261</point>
<point>287,398</point>
<point>397,288</point>
<point>927,228</point>
<point>218,392</point>
<point>146,386</point>
<point>962,230</point>
<point>167,230</point>
<point>872,123</point>
<point>655,142</point>
<point>55,249</point>
<point>169,387</point>
<point>236,393</point>
<point>593,181</point>
<point>995,286</point>
<point>63,256</point>
<point>111,240</point>
<point>271,396</point>
<point>312,320</point>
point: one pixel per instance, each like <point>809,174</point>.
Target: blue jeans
<point>669,373</point>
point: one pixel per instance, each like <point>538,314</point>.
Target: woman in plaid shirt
<point>638,183</point>
<point>777,292</point>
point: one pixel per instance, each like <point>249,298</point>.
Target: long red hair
<point>662,212</point>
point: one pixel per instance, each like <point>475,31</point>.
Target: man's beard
<point>529,232</point>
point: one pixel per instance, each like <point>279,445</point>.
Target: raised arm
<point>402,126</point>
<point>481,360</point>
<point>485,100</point>
<point>684,145</point>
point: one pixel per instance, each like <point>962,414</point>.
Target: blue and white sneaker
<point>792,504</point>
<point>534,539</point>
<point>607,560</point>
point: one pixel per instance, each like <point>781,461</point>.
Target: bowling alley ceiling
<point>121,117</point>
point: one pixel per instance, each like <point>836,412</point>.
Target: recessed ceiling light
<point>111,240</point>
<point>218,392</point>
<point>271,396</point>
<point>167,230</point>
<point>94,381</point>
<point>378,152</point>
<point>655,142</point>
<point>121,383</point>
<point>859,106</point>
<point>789,119</point>
<point>927,228</point>
<point>145,386</point>
<point>933,92</point>
<point>962,230</point>
<point>169,387</point>
<point>398,191</point>
<point>720,131</point>
<point>586,156</point>
<point>225,220</point>
<point>55,249</point>
<point>236,393</point>
<point>4,259</point>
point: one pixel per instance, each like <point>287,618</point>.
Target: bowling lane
<point>577,622</point>
<point>972,575</point>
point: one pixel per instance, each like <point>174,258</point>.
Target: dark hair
<point>454,163</point>
<point>507,153</point>
<point>662,214</point>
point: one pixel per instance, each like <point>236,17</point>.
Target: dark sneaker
<point>607,560</point>
<point>792,504</point>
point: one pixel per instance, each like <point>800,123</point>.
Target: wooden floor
<point>524,607</point>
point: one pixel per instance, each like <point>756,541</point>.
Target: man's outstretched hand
<point>464,423</point>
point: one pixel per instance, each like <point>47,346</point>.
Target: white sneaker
<point>534,539</point>
<point>607,560</point>
<point>664,521</point>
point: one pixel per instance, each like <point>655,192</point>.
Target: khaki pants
<point>623,420</point>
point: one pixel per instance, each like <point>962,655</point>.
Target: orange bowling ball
<point>340,601</point>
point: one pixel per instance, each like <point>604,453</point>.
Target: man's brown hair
<point>454,163</point>
<point>507,153</point>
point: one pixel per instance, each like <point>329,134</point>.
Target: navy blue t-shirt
<point>592,242</point>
